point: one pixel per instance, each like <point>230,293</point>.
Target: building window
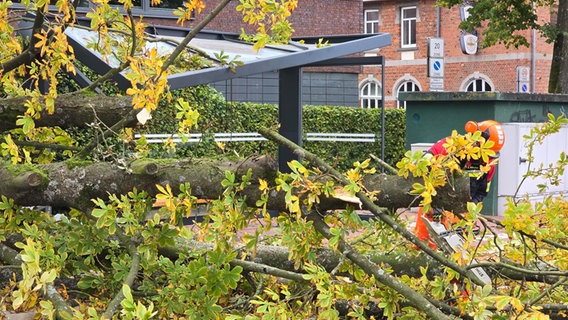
<point>167,4</point>
<point>477,83</point>
<point>370,94</point>
<point>408,26</point>
<point>406,86</point>
<point>163,9</point>
<point>164,4</point>
<point>135,3</point>
<point>371,21</point>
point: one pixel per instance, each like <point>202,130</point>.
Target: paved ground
<point>408,215</point>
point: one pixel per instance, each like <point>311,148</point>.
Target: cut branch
<point>72,185</point>
<point>415,299</point>
<point>71,110</point>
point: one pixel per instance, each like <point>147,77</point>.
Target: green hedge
<point>217,116</point>
<point>355,120</point>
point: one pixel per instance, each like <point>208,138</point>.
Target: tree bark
<point>71,110</point>
<point>558,81</point>
<point>73,185</point>
<point>401,262</point>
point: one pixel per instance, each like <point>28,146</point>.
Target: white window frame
<point>475,81</point>
<point>407,24</point>
<point>370,94</point>
<point>405,85</point>
<point>478,85</point>
<point>145,9</point>
<point>371,25</point>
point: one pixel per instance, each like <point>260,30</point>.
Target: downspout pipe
<point>533,56</point>
<point>438,22</point>
<point>533,60</point>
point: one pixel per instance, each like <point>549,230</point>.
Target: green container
<point>431,116</point>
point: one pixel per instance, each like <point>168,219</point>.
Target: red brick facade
<point>496,65</point>
<point>311,18</point>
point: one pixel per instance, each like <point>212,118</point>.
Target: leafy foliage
<point>502,20</point>
<point>206,283</point>
<point>271,20</point>
<point>111,259</point>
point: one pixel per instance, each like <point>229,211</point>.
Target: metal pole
<point>289,113</point>
<point>383,109</point>
<point>533,56</point>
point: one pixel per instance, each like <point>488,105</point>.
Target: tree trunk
<point>401,262</point>
<point>558,82</point>
<point>74,185</point>
<point>71,110</point>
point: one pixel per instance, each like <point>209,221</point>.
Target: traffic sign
<point>435,47</point>
<point>523,74</point>
<point>436,67</point>
<point>523,87</point>
<point>436,84</point>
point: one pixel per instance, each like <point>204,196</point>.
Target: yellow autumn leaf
<point>263,185</point>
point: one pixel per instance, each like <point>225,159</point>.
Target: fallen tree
<point>126,263</point>
<point>107,222</point>
<point>74,110</point>
<point>74,184</point>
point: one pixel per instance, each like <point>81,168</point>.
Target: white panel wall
<point>513,164</point>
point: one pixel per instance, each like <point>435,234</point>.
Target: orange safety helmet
<point>490,130</point>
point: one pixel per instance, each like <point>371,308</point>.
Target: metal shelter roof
<point>288,59</point>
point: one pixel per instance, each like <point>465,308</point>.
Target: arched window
<point>406,86</point>
<point>370,94</point>
<point>477,83</point>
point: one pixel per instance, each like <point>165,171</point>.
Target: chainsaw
<point>451,241</point>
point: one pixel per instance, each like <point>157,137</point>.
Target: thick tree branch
<point>72,110</point>
<point>74,184</point>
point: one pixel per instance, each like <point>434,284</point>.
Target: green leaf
<point>49,276</point>
<point>27,124</point>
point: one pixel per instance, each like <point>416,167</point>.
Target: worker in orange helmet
<point>479,182</point>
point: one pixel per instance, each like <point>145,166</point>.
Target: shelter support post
<point>289,113</point>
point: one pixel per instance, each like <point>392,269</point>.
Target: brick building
<point>410,23</point>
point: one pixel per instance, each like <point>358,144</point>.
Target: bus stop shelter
<point>287,59</point>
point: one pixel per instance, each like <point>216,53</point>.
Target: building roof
<point>269,58</point>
